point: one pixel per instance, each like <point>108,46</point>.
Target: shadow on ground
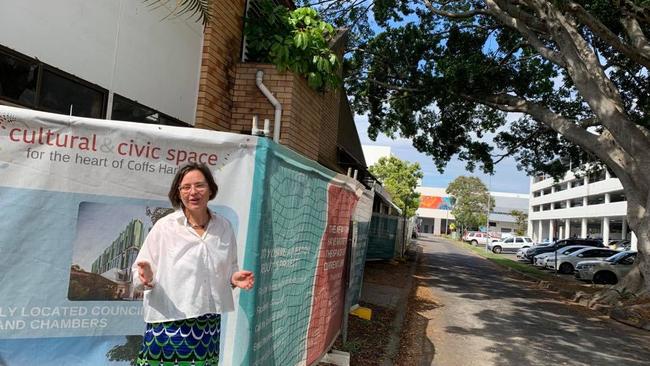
<point>535,326</point>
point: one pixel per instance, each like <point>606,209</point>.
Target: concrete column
<point>605,230</point>
<point>529,228</point>
<point>560,232</point>
<point>539,232</point>
<point>437,223</point>
<point>551,229</point>
<point>567,228</point>
<point>583,229</point>
<point>633,242</point>
<point>607,198</point>
<point>607,175</point>
<point>624,229</point>
<point>586,180</point>
<point>584,201</point>
<point>568,203</point>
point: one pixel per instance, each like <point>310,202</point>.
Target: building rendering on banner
<point>590,206</point>
<point>434,213</point>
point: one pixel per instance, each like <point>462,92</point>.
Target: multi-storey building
<point>121,254</point>
<point>590,206</point>
<point>434,213</point>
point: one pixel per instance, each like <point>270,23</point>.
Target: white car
<point>476,238</point>
<point>510,244</point>
<point>606,271</point>
<point>540,259</point>
<point>566,263</point>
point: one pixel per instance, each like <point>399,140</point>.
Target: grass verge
<point>505,262</point>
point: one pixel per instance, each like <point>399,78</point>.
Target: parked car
<point>540,259</point>
<point>566,263</point>
<point>530,254</point>
<point>521,253</point>
<point>510,244</point>
<point>620,245</point>
<point>606,271</point>
<point>475,238</point>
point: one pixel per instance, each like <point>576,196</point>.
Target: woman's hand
<point>243,279</point>
<point>146,274</point>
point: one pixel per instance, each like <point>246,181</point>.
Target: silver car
<point>606,271</point>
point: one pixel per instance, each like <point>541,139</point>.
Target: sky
<point>506,178</point>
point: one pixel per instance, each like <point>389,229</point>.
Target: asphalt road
<point>483,317</point>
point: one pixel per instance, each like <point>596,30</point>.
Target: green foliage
<point>295,40</point>
<point>472,201</point>
<point>521,219</point>
<point>195,8</point>
<point>426,77</point>
<point>400,179</point>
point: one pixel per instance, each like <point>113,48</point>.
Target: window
<point>509,240</point>
<point>546,207</point>
<point>576,202</point>
<point>528,240</point>
<point>18,79</point>
<point>64,95</point>
<point>577,182</point>
<point>519,240</point>
<point>128,110</point>
<point>31,83</point>
<point>617,196</point>
<point>536,208</point>
<point>560,204</point>
<point>547,191</point>
<point>537,193</point>
<point>596,200</point>
<point>597,176</point>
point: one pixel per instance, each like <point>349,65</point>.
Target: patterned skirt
<point>188,342</point>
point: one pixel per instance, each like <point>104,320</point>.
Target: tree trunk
<point>636,285</point>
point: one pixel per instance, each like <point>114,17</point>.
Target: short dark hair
<point>174,192</point>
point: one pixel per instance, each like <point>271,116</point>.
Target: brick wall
<point>229,98</point>
<point>301,107</point>
<point>221,53</point>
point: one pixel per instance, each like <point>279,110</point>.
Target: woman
<point>188,268</point>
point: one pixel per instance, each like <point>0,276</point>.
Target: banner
<point>78,197</point>
<point>383,236</point>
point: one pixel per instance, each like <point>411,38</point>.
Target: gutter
<point>278,107</point>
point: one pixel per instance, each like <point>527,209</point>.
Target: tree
<point>194,8</point>
<point>521,219</point>
<point>472,202</point>
<point>444,73</point>
<point>296,40</point>
<point>400,179</point>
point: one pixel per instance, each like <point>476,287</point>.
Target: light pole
<point>487,219</point>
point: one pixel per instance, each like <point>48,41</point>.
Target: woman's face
<point>194,191</point>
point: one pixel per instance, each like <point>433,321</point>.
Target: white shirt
<point>191,273</point>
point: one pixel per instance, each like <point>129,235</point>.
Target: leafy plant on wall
<point>194,8</point>
<point>295,40</point>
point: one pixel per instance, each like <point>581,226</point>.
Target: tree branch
<point>641,52</point>
<point>510,21</point>
<point>446,14</point>
<point>541,113</point>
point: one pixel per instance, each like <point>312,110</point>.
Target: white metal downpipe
<point>278,107</point>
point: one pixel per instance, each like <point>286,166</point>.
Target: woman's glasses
<point>199,187</point>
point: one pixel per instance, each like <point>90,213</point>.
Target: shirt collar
<point>179,216</point>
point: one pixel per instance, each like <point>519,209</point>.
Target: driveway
<point>483,317</point>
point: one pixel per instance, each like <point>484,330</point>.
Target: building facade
<point>124,60</point>
<point>434,213</point>
<point>590,206</point>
